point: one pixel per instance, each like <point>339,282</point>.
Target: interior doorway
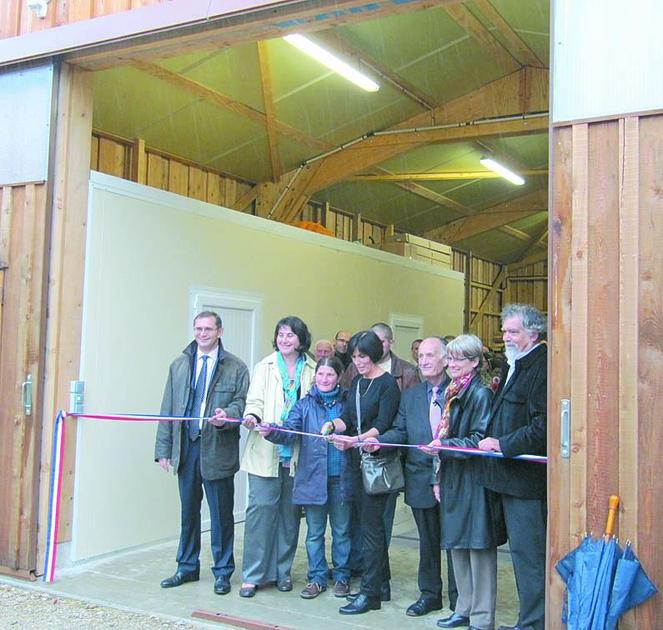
<point>240,314</point>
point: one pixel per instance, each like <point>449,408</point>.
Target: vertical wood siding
<point>17,19</point>
<point>23,229</point>
<point>606,321</point>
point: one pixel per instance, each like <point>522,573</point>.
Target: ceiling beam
<point>491,218</point>
<point>221,100</point>
<point>502,97</point>
<point>475,29</point>
<point>268,103</point>
<point>535,243</point>
<point>516,233</point>
<point>443,176</point>
<point>514,43</point>
<point>431,195</point>
<point>336,42</point>
<point>376,149</point>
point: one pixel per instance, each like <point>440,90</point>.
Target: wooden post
<point>468,292</point>
<point>139,162</point>
<point>65,288</point>
<point>356,228</point>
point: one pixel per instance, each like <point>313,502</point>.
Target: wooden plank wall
<point>17,19</point>
<point>123,158</point>
<point>606,343</point>
<point>528,285</point>
<point>482,275</point>
<point>23,233</point>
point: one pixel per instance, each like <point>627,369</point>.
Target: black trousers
<point>526,531</point>
<point>430,564</point>
<point>220,495</point>
<point>375,547</point>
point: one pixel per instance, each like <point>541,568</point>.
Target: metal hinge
<point>565,429</point>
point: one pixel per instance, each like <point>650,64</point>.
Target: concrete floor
<point>131,581</point>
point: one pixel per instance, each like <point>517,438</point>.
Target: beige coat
<point>265,400</point>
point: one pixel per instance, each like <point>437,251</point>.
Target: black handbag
<point>382,471</point>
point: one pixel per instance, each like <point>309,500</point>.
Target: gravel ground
<point>25,608</point>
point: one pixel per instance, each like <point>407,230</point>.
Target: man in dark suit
<point>414,425</point>
<point>207,384</point>
<point>518,426</point>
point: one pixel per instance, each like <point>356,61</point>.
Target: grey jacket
<point>219,447</point>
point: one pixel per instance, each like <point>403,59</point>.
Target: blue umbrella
<point>588,572</point>
<point>631,587</point>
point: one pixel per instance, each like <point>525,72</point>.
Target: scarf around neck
<point>453,390</point>
<point>290,390</point>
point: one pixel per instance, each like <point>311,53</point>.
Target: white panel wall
<point>607,58</point>
<point>148,251</point>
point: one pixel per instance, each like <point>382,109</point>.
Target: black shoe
<point>284,585</point>
<point>360,605</point>
<point>423,606</point>
<point>180,578</point>
<point>454,621</point>
<point>248,591</point>
<point>509,627</point>
<point>222,585</point>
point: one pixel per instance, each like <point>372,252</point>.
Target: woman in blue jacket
<point>323,482</point>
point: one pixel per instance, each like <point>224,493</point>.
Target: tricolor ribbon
<point>58,452</point>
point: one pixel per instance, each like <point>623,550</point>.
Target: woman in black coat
<point>471,527</point>
<point>376,394</point>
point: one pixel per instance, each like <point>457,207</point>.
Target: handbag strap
<point>358,403</point>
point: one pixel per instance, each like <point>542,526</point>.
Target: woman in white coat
<point>272,520</point>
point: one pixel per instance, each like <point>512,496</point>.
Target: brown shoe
<point>312,590</point>
<point>341,589</point>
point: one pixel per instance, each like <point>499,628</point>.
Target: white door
<point>406,329</point>
<point>240,315</point>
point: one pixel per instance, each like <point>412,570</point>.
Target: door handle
<point>26,395</point>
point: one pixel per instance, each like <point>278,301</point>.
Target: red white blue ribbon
<point>58,452</point>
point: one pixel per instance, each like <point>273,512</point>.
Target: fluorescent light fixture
<point>332,62</point>
<point>502,171</point>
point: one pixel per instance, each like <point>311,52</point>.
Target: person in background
<point>375,393</point>
<point>414,349</point>
<point>471,524</point>
<point>322,348</point>
<point>518,426</point>
<point>404,372</point>
<point>341,340</point>
<point>323,482</point>
<point>416,423</point>
<point>203,451</point>
<point>272,520</point>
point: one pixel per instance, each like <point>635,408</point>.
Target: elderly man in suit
<point>517,426</point>
<point>417,419</point>
<point>207,384</point>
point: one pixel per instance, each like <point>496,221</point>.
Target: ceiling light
<point>502,171</point>
<point>332,62</point>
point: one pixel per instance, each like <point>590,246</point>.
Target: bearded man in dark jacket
<point>517,426</point>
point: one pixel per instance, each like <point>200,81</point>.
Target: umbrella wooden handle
<point>613,506</point>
